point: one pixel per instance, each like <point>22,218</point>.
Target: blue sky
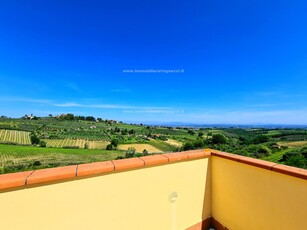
<point>237,62</point>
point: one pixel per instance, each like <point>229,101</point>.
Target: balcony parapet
<point>21,180</point>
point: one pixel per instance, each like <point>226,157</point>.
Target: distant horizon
<point>213,62</point>
<point>184,124</point>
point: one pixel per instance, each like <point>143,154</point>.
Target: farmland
<point>80,143</point>
<point>174,142</point>
<point>14,136</point>
<point>68,139</point>
<point>294,144</point>
<point>140,147</point>
<point>20,158</point>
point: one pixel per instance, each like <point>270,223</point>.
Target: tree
<point>69,116</point>
<point>131,131</point>
<point>109,147</point>
<point>90,118</point>
<point>260,139</point>
<point>34,139</point>
<point>115,143</point>
<point>200,134</point>
<point>130,152</point>
<point>218,139</point>
<point>188,146</point>
<point>124,132</point>
<point>191,132</point>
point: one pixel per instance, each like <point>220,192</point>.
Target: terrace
<point>199,189</point>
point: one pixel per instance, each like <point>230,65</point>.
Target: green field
<point>20,158</point>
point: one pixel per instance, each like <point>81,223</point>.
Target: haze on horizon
<point>207,62</point>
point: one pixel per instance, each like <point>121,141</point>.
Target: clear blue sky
<point>242,61</point>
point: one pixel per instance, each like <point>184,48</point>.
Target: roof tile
<point>291,171</point>
<point>14,179</point>
<point>52,174</point>
<point>225,155</point>
<point>196,154</point>
<point>176,156</point>
<point>95,168</point>
<point>154,159</point>
<point>256,162</point>
<point>130,163</point>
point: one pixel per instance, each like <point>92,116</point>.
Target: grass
<point>273,132</point>
<point>22,158</point>
<point>275,157</point>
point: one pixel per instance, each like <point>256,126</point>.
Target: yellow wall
<point>137,199</point>
<point>247,197</point>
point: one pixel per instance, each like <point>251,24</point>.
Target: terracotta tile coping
<point>285,169</point>
<point>17,180</point>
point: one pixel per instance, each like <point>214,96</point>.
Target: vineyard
<point>13,136</point>
<point>21,158</point>
<point>23,138</point>
<point>79,143</point>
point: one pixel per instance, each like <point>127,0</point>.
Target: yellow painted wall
<point>138,199</point>
<point>247,197</point>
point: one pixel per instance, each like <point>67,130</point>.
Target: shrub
<point>37,163</point>
<point>119,157</point>
<point>145,152</point>
<point>297,161</point>
<point>109,147</point>
<point>130,152</point>
<point>289,154</point>
<point>42,144</point>
<point>70,147</point>
<point>163,137</point>
<point>264,150</point>
<point>34,139</point>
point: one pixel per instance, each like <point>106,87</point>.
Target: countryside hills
<point>34,142</point>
